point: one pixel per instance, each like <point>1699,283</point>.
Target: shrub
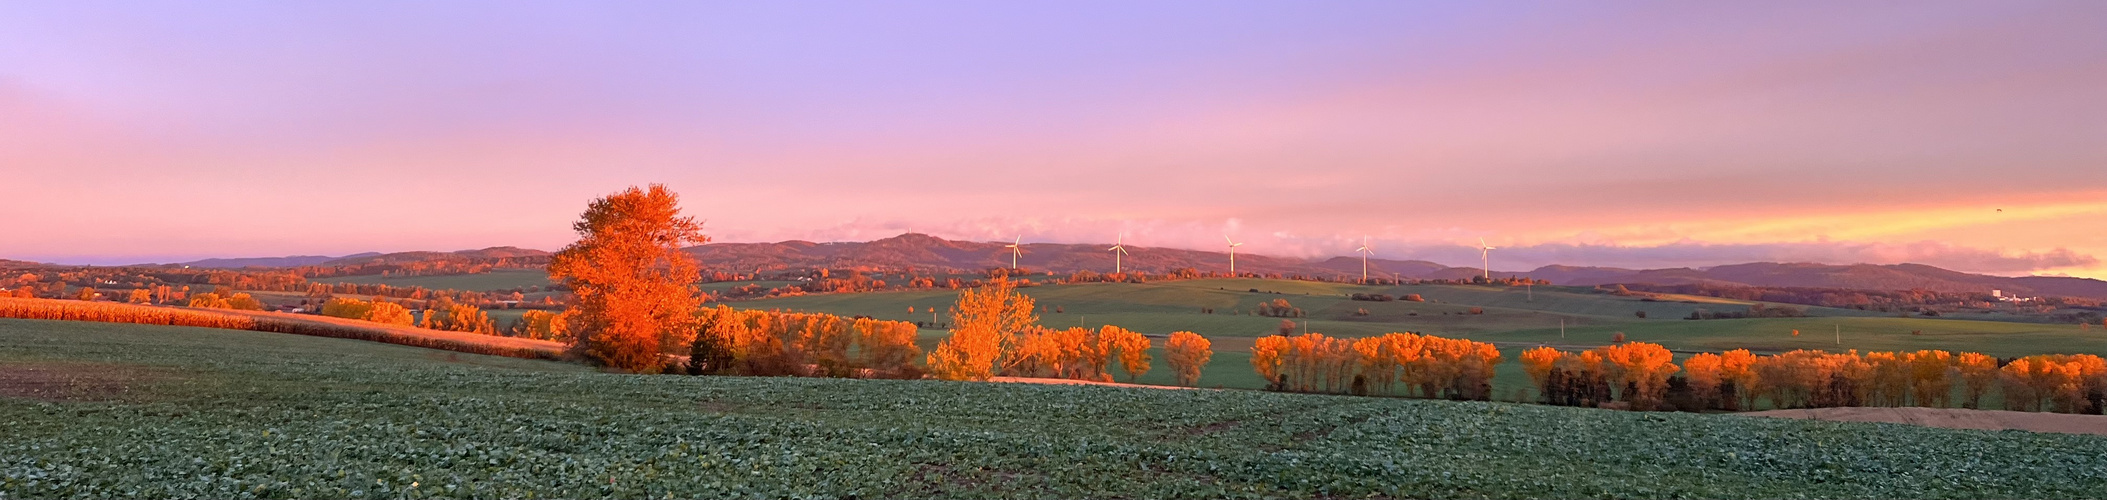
<point>1279,308</point>
<point>1188,353</point>
<point>378,311</point>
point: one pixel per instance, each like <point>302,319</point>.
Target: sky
<point>1967,135</point>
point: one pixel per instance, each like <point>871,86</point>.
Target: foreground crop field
<point>108,410</point>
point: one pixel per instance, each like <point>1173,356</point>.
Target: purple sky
<point>1635,134</point>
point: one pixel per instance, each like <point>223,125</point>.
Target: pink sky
<point>1625,134</point>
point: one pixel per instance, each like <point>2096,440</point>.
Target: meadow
<point>1163,307</point>
<point>107,410</point>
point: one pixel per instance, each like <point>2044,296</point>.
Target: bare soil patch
<point>1954,418</point>
<point>63,382</point>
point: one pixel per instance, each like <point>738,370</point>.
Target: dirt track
<point>1953,418</point>
<point>1063,381</point>
<point>410,331</point>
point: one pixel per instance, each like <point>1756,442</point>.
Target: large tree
<point>634,287</point>
<point>986,326</point>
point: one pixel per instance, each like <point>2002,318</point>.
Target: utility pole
<point>1561,328</point>
<point>1839,334</point>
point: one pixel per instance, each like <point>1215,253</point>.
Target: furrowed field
<point>108,410</point>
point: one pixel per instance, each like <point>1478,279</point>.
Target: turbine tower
<point>1364,250</point>
<point>1485,258</point>
<point>1232,254</point>
<point>1015,251</point>
<point>1119,248</point>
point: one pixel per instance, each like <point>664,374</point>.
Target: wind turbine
<point>1015,251</point>
<point>1485,258</point>
<point>1364,259</point>
<point>1118,248</point>
<point>1232,254</point>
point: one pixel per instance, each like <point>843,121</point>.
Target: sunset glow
<point>1971,136</point>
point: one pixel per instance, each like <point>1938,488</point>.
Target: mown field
<point>107,410</point>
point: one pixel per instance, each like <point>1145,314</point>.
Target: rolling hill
<point>924,252</point>
<point>289,261</point>
<point>491,253</point>
<point>1809,275</point>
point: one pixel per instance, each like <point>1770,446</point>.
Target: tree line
<point>995,332</point>
<point>1642,376</point>
<point>1404,364</point>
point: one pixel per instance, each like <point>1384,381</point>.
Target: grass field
<point>1176,305</point>
<point>502,279</point>
<point>106,410</point>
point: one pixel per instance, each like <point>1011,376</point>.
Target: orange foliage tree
<point>1703,371</point>
<point>240,301</point>
<point>1737,370</point>
<point>985,326</point>
<point>377,311</point>
<point>1978,372</point>
<point>748,342</point>
<point>2068,383</point>
<point>1538,364</point>
<point>1636,373</point>
<point>1642,370</point>
<point>1188,353</point>
<point>1132,350</point>
<point>1427,366</point>
<point>1269,358</point>
<point>632,286</point>
<point>1931,378</point>
<point>447,315</point>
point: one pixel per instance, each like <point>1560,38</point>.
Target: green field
<point>502,279</point>
<point>1165,307</point>
<point>1514,318</point>
<point>105,410</point>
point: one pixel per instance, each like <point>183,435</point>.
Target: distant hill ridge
<point>365,258</point>
<point>921,251</point>
<point>929,253</point>
<point>289,261</point>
